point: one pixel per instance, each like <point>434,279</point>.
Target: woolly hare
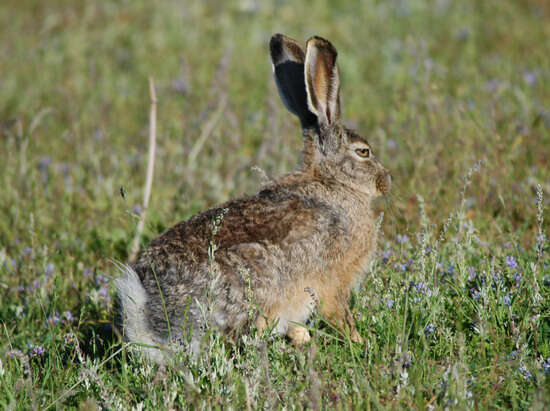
<point>302,241</point>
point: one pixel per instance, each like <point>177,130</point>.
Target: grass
<point>453,96</point>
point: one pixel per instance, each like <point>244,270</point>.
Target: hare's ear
<point>288,67</point>
<point>322,80</point>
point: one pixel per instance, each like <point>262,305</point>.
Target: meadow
<point>453,96</point>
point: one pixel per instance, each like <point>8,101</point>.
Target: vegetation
<point>453,96</point>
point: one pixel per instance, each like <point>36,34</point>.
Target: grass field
<point>454,97</point>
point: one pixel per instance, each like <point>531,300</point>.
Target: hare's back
<point>273,218</point>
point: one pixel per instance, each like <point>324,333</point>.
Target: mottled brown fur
<point>299,244</point>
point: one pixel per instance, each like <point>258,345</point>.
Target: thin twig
<point>207,130</point>
<point>150,167</point>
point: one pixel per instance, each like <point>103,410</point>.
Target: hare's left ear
<point>322,80</point>
<point>288,67</point>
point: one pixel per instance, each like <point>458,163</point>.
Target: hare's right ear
<point>322,80</point>
<point>288,67</point>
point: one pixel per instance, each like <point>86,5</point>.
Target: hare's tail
<point>132,305</point>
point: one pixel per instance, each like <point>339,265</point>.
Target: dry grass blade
<point>150,168</point>
<point>207,130</point>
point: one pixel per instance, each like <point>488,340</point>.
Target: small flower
<point>50,267</point>
<point>422,288</point>
<point>546,366</point>
<point>530,77</point>
<point>517,278</point>
<point>390,303</point>
<point>429,329</point>
<point>137,210</point>
<point>37,351</point>
<point>53,320</point>
<point>513,355</point>
<point>386,255</point>
<point>507,300</point>
<point>498,280</point>
<point>34,286</point>
<point>450,271</point>
<point>492,85</point>
<point>406,360</point>
<point>476,295</point>
<point>402,239</point>
<point>472,276</point>
<point>526,373</point>
<point>15,353</point>
<point>26,251</point>
<point>68,317</point>
<point>511,262</point>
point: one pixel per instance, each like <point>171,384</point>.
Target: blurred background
<point>435,86</point>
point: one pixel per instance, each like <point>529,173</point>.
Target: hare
<point>302,242</point>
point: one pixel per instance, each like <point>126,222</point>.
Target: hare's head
<point>309,86</point>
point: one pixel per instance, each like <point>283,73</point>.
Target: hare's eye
<point>363,152</point>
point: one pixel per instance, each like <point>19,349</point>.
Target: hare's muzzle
<point>383,182</point>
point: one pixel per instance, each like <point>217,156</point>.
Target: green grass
<point>458,320</point>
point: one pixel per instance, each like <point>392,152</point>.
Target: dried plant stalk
<point>150,168</point>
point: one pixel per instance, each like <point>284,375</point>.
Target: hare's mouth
<point>383,183</point>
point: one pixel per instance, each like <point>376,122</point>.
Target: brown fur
<point>302,242</point>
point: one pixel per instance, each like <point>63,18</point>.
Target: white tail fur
<point>133,302</point>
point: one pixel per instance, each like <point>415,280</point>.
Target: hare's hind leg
<point>335,308</point>
<point>298,335</point>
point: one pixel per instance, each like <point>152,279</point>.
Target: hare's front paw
<point>298,335</point>
<point>355,337</point>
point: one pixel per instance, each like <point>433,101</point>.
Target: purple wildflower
<point>511,262</point>
<point>546,366</point>
<point>406,360</point>
<point>37,351</point>
<point>137,210</point>
<point>422,288</point>
<point>68,317</point>
<point>429,329</point>
<point>472,276</point>
<point>507,300</point>
<point>15,353</point>
<point>513,355</point>
<point>54,319</point>
<point>34,286</point>
<point>526,373</point>
<point>26,251</point>
<point>386,255</point>
<point>498,280</point>
<point>530,77</point>
<point>402,239</point>
<point>50,267</point>
<point>492,85</point>
<point>517,278</point>
<point>476,295</point>
<point>390,303</point>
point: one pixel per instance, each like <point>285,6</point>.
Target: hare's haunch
<point>299,244</point>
